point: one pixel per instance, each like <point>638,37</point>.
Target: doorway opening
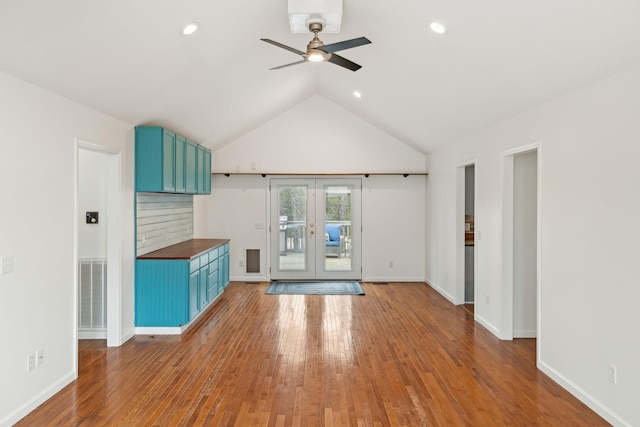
<point>521,242</point>
<point>466,235</point>
<point>97,252</point>
<point>315,229</point>
<point>469,234</point>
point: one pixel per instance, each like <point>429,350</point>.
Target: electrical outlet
<point>40,356</point>
<point>487,298</point>
<point>31,362</point>
<point>613,374</point>
<point>390,264</point>
<point>241,263</point>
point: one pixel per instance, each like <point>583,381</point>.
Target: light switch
<point>6,264</point>
<point>259,225</point>
<point>92,217</point>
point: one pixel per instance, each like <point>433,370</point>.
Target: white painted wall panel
<point>318,136</point>
<point>589,204</point>
<point>92,196</point>
<point>162,220</point>
<point>37,170</point>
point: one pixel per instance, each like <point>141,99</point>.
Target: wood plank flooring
<point>399,356</point>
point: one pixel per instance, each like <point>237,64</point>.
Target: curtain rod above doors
<point>365,174</point>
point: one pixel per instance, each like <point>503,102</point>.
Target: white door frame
<point>459,234</point>
<point>114,243</point>
<point>508,236</point>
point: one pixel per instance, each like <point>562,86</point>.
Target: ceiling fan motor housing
<point>304,12</point>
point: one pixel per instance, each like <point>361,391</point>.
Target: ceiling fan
<point>318,51</point>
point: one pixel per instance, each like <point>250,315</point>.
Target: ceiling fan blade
<point>347,44</point>
<point>343,62</point>
<point>290,49</point>
<point>289,65</point>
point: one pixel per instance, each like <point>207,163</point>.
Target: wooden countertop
<point>185,250</point>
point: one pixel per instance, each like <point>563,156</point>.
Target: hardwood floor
<point>399,356</point>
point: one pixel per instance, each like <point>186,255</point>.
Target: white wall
<point>92,196</point>
<point>318,136</point>
<point>590,146</point>
<point>37,225</point>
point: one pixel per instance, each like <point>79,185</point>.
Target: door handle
<point>312,232</point>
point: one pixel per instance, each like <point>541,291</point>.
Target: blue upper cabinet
<point>207,172</point>
<point>155,157</point>
<point>168,163</point>
<point>181,146</point>
<point>191,156</point>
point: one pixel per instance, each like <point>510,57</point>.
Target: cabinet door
<point>181,144</point>
<point>212,284</point>
<point>202,282</point>
<point>168,161</point>
<point>154,159</point>
<point>190,170</point>
<point>161,293</point>
<point>194,307</point>
<point>207,171</point>
<point>226,269</point>
<point>200,172</point>
<point>223,268</point>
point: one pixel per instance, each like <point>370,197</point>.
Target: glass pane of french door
<point>315,229</point>
<point>338,205</point>
<point>292,201</point>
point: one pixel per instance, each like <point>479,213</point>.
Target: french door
<point>315,229</point>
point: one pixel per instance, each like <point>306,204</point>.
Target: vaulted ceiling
<point>127,58</point>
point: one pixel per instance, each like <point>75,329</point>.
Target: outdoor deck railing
<point>295,234</point>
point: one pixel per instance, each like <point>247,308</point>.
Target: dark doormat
<point>315,288</point>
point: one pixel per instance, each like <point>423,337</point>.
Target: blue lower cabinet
<point>194,294</point>
<point>223,266</point>
<point>170,293</point>
<point>212,284</point>
<point>203,300</point>
<point>162,293</point>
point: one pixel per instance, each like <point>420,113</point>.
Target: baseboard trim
<point>593,403</point>
<point>130,334</point>
<point>525,333</point>
<point>487,325</point>
<point>158,330</point>
<point>173,330</point>
<point>392,279</point>
<point>441,291</point>
<point>250,278</point>
<point>38,400</point>
<point>86,334</point>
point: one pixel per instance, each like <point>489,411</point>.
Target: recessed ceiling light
<point>437,27</point>
<point>357,94</point>
<point>190,29</point>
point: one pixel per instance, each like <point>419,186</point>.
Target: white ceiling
<point>128,59</point>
